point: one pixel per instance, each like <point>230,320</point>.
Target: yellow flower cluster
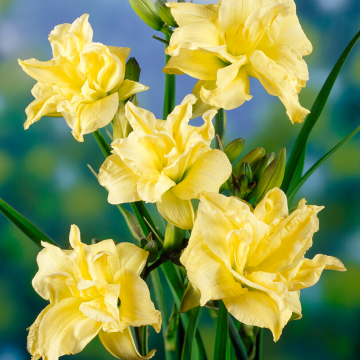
<point>93,290</point>
<point>84,81</point>
<point>224,44</point>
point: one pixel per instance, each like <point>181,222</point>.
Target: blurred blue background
<point>43,171</point>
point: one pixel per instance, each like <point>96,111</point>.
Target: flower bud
<point>245,169</point>
<point>253,158</point>
<point>234,149</point>
<point>146,10</point>
<point>153,250</point>
<point>142,243</point>
<point>272,176</point>
<point>165,13</point>
<point>173,241</point>
<point>95,240</point>
<point>244,183</point>
<point>264,163</point>
<point>132,70</point>
<point>122,127</point>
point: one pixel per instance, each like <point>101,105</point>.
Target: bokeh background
<point>43,171</point>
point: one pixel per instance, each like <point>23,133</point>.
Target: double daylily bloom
<point>253,259</point>
<point>165,162</point>
<point>84,81</point>
<point>93,290</point>
<point>224,44</point>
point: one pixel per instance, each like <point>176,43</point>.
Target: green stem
<point>170,85</point>
<point>259,342</point>
<point>163,258</point>
<point>220,126</point>
<point>144,340</point>
<point>190,332</point>
<point>103,144</point>
<point>236,340</point>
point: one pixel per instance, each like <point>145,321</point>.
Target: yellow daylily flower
<point>93,290</point>
<point>83,82</point>
<point>165,162</point>
<point>224,44</point>
<point>253,259</point>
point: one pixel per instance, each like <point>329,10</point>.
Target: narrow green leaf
<point>104,146</point>
<point>318,163</point>
<point>180,341</point>
<point>170,88</point>
<point>238,344</point>
<point>29,229</point>
<point>296,161</point>
<point>222,333</point>
<point>190,332</point>
<point>171,331</point>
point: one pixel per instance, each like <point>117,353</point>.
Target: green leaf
<point>296,161</point>
<point>29,229</point>
<point>259,341</point>
<point>318,163</point>
<point>238,344</point>
<point>222,333</point>
<point>171,330</point>
<point>220,127</point>
<point>190,332</point>
<point>104,146</point>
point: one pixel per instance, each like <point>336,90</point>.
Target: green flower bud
<point>95,240</point>
<point>146,10</point>
<point>253,158</point>
<point>234,149</point>
<point>173,241</point>
<point>165,13</point>
<point>153,250</point>
<point>272,176</point>
<point>245,169</point>
<point>132,70</point>
<point>244,183</point>
<point>264,163</point>
<point>142,243</point>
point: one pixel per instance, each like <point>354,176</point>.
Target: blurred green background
<point>43,171</point>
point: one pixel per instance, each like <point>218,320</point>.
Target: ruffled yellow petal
<point>129,88</point>
<point>194,63</point>
<point>119,180</point>
<point>94,115</point>
<point>64,330</point>
<point>206,272</point>
<point>121,345</point>
<point>152,190</point>
<point>52,260</point>
<point>82,30</point>
<point>278,82</point>
<point>258,309</point>
<point>295,305</point>
<point>176,211</point>
<point>131,257</point>
<point>207,174</point>
<point>307,272</point>
<point>136,307</point>
<point>200,107</point>
<point>185,13</point>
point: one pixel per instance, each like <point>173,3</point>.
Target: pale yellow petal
<point>187,13</point>
<point>200,107</point>
<point>141,119</point>
<point>152,190</point>
<point>194,36</point>
<point>82,29</point>
<point>59,40</point>
<point>122,53</point>
<point>294,303</point>
<point>136,307</point>
<point>95,115</point>
<point>307,272</point>
<point>194,63</point>
<point>52,260</point>
<point>119,180</point>
<point>258,309</point>
<point>176,211</point>
<point>190,299</point>
<point>206,272</point>
<point>64,330</point>
<point>207,174</point>
<point>273,206</point>
<point>129,88</point>
<point>231,96</point>
<point>131,257</point>
<point>278,82</point>
<point>121,345</point>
